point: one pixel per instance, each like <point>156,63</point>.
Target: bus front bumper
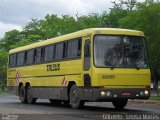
<point>103,94</point>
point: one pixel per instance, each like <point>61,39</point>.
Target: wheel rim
<point>74,97</point>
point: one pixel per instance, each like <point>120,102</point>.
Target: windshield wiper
<point>135,65</point>
<point>112,67</point>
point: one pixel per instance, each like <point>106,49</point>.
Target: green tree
<point>125,14</point>
<point>146,18</point>
<point>3,64</point>
<point>33,31</point>
<point>10,38</point>
<point>50,26</point>
<point>120,10</point>
<point>92,20</point>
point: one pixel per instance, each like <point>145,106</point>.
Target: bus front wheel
<point>22,95</point>
<point>120,104</point>
<point>30,98</point>
<point>75,98</point>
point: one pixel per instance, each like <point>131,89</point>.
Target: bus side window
<point>39,55</point>
<point>49,53</point>
<point>30,57</point>
<point>65,46</point>
<point>74,48</point>
<point>59,51</point>
<point>35,56</point>
<point>12,60</point>
<point>42,54</point>
<point>25,57</point>
<point>20,59</point>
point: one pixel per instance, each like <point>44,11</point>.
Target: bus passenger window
<point>30,57</point>
<point>74,48</point>
<point>49,53</point>
<point>12,60</point>
<point>64,49</point>
<point>59,51</point>
<point>39,55</point>
<point>20,59</point>
<point>25,57</point>
<point>42,54</point>
<point>35,56</point>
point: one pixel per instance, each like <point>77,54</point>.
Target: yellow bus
<point>96,64</point>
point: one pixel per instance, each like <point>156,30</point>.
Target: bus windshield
<point>120,51</point>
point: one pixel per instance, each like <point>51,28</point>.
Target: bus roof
<point>85,32</point>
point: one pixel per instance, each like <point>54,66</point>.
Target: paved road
<point>11,108</point>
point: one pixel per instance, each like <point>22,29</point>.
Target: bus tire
<point>30,98</point>
<point>23,95</point>
<point>120,104</point>
<point>74,98</point>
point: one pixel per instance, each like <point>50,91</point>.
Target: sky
<point>15,14</point>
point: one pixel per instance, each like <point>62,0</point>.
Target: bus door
<point>87,63</point>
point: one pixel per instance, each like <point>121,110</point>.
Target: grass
<point>3,93</point>
<point>155,98</point>
<point>3,87</point>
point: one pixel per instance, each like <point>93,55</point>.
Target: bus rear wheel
<point>30,98</point>
<point>120,104</point>
<point>75,98</point>
<point>22,94</point>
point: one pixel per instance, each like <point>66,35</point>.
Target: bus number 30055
<point>108,77</point>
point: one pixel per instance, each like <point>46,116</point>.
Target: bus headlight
<point>103,93</point>
<point>146,92</point>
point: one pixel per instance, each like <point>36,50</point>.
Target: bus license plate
<point>126,94</point>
